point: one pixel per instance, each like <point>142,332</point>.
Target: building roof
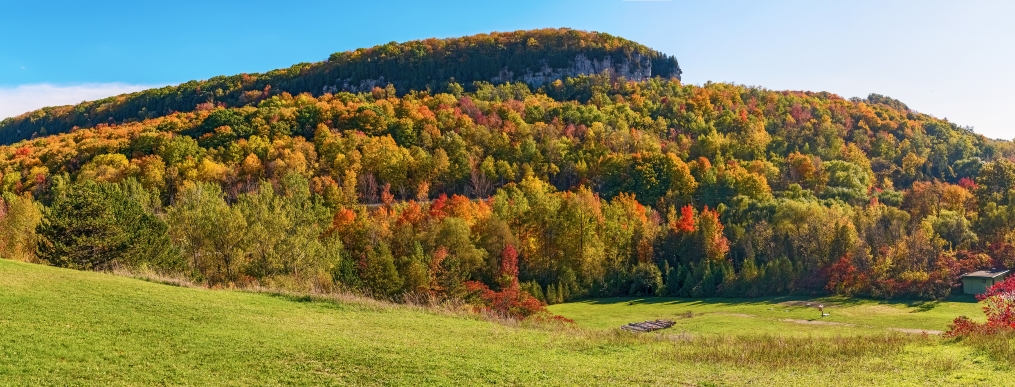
<point>986,274</point>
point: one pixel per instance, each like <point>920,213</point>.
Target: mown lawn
<point>63,327</point>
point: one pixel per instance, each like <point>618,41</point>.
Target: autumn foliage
<point>512,195</point>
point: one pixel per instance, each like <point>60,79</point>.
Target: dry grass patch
<point>780,352</point>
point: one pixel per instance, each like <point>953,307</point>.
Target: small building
<point>978,282</point>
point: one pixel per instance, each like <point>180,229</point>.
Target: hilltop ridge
<point>535,57</point>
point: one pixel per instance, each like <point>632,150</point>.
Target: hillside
<point>536,57</point>
<point>590,186</point>
<point>64,327</point>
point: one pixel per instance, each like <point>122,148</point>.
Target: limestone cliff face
<point>355,87</point>
<point>638,69</point>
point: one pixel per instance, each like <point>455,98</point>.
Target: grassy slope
<point>62,327</point>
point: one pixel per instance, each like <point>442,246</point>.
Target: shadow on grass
<point>692,301</point>
<point>308,299</point>
<point>293,297</point>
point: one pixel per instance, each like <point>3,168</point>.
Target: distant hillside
<point>535,57</point>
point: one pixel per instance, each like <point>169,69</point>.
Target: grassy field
<point>63,327</point>
<point>777,316</point>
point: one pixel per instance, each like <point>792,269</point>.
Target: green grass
<point>848,316</point>
<point>63,327</point>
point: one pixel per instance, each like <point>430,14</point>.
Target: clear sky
<point>950,59</point>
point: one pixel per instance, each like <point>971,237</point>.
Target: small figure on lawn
<point>821,308</point>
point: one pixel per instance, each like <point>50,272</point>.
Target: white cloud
<point>20,99</point>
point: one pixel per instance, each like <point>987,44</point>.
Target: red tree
<point>686,221</point>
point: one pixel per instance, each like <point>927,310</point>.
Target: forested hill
<point>587,186</point>
<point>535,57</point>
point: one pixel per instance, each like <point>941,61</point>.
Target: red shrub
<point>511,301</point>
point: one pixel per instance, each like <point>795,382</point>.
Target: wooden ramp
<point>647,326</point>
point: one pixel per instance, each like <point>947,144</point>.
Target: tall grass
<point>780,351</point>
<point>1000,345</point>
<point>363,299</point>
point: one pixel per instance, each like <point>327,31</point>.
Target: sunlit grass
<point>64,327</point>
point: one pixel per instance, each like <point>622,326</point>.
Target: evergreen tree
<point>646,280</point>
<point>379,273</point>
<point>80,231</point>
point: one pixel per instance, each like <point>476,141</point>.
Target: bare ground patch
<point>816,322</point>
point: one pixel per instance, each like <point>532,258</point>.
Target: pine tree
<point>80,231</point>
<point>708,284</point>
<point>748,278</point>
<point>551,294</point>
<point>379,273</point>
<point>535,290</point>
<point>674,280</point>
<point>687,287</point>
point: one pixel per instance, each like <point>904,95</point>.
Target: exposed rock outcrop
<point>637,70</point>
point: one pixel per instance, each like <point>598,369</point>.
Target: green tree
<point>646,280</point>
<point>148,242</point>
<point>953,227</point>
<point>286,233</point>
<point>846,181</point>
<point>379,273</point>
<point>80,231</point>
<point>209,232</point>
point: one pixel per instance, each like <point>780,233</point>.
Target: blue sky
<point>949,59</point>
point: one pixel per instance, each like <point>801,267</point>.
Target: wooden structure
<point>978,282</point>
<point>648,326</point>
